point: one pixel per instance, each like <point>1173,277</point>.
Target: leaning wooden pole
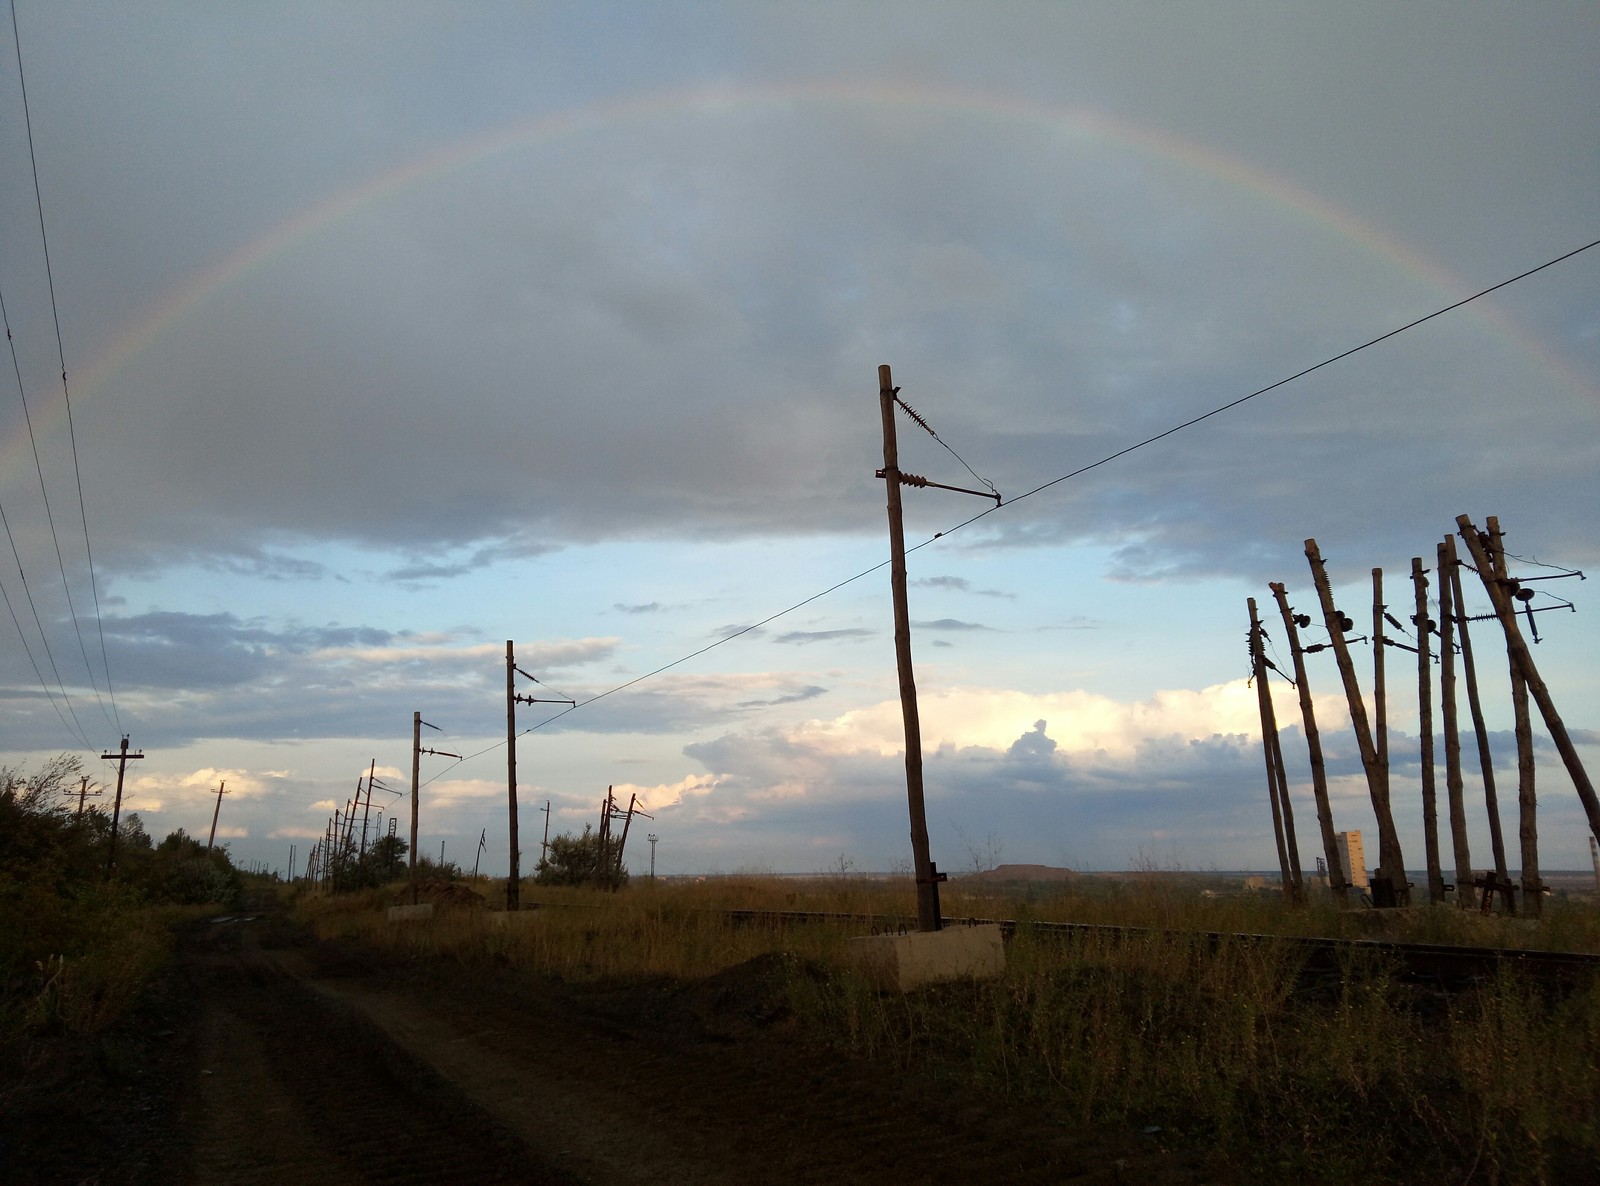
<point>1393,869</point>
<point>1269,733</point>
<point>1319,767</point>
<point>1491,799</point>
<point>1430,801</point>
<point>1527,796</point>
<point>1452,729</point>
<point>1499,595</point>
<point>927,887</point>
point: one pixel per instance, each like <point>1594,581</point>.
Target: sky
<point>395,331</point>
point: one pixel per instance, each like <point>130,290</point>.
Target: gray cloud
<point>802,637</point>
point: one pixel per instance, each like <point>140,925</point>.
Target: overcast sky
<point>393,331</point>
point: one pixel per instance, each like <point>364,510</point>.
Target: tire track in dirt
<point>630,1091</point>
<point>292,1087</point>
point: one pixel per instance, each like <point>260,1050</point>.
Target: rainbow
<point>707,102</point>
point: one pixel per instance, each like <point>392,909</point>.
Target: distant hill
<point>1021,873</point>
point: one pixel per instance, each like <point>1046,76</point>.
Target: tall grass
<point>1359,1077</point>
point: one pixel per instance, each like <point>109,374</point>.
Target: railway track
<point>1437,963</point>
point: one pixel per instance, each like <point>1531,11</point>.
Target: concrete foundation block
<point>411,913</point>
<point>904,962</point>
<point>503,919</point>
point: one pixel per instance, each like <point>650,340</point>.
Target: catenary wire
<point>1045,486</point>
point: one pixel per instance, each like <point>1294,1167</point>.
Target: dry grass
<point>1360,1078</point>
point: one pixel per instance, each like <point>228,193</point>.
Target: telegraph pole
<point>366,812</point>
<point>1319,769</point>
<point>1392,884</point>
<point>416,768</point>
<point>514,879</point>
<point>514,876</point>
<point>217,811</point>
<point>1500,595</point>
<point>1459,843</point>
<point>927,888</point>
<point>928,875</point>
<point>122,757</point>
<point>1491,799</point>
<point>1430,794</point>
<point>1527,803</point>
<point>544,845</point>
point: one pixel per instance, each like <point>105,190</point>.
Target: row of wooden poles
<point>1389,884</point>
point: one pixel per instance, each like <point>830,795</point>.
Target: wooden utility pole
<point>366,812</point>
<point>513,890</point>
<point>544,845</point>
<point>122,757</point>
<point>1500,596</point>
<point>1391,883</point>
<point>1319,767</point>
<point>1380,688</point>
<point>514,877</point>
<point>216,811</point>
<point>1452,731</point>
<point>1491,799</point>
<point>927,888</point>
<point>416,775</point>
<point>1527,802</point>
<point>1430,802</point>
<point>1277,782</point>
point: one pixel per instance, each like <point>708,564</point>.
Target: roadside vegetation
<point>78,942</point>
<point>1224,1047</point>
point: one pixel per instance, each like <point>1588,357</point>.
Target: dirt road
<point>285,1061</point>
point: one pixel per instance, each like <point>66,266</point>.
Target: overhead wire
<point>76,727</point>
<point>1040,488</point>
<point>71,429</point>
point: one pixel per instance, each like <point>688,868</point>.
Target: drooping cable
<point>61,564</point>
<point>1045,486</point>
<point>72,435</point>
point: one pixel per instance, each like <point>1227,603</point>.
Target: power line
<point>72,435</point>
<point>61,563</point>
<point>1270,387</point>
<point>1038,489</point>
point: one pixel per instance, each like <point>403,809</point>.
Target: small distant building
<point>1353,859</point>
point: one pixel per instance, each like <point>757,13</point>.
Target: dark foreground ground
<point>266,1057</point>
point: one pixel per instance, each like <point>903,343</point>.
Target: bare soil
<point>269,1057</point>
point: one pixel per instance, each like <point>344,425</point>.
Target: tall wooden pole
<point>1527,801</point>
<point>1491,799</point>
<point>514,877</point>
<point>366,812</point>
<point>122,757</point>
<point>1319,766</point>
<point>416,777</point>
<point>1392,863</point>
<point>1380,687</point>
<point>1277,783</point>
<point>1452,730</point>
<point>927,887</point>
<point>216,811</point>
<point>544,845</point>
<point>1518,646</point>
<point>1430,802</point>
